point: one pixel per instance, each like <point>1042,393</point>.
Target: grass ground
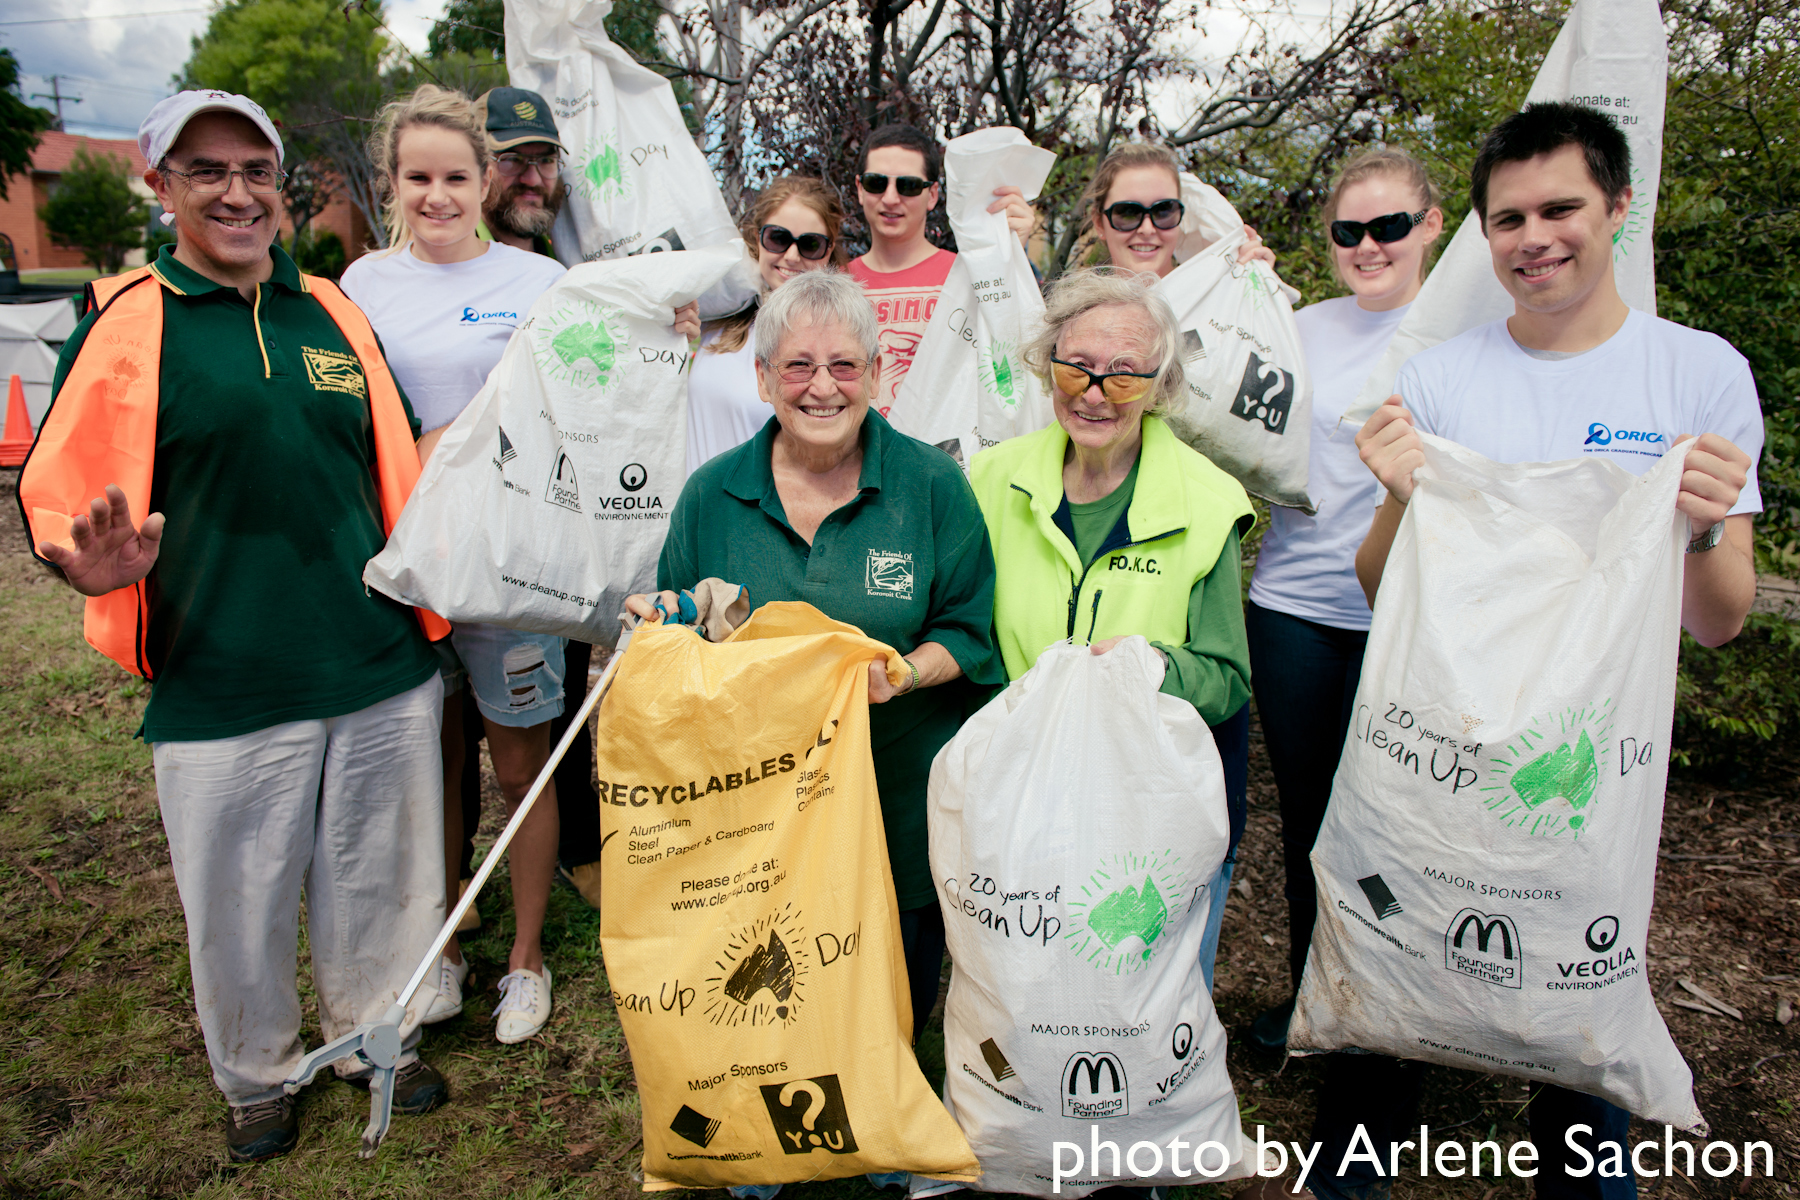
<point>104,1088</point>
<point>70,275</point>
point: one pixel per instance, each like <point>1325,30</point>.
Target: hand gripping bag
<point>968,388</point>
<point>1488,857</point>
<point>751,937</point>
<point>1611,55</point>
<point>1249,404</point>
<point>636,181</point>
<point>546,502</point>
<point>1077,822</point>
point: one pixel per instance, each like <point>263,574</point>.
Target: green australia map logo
<point>1545,780</point>
<point>598,173</point>
<point>1000,372</point>
<point>1118,915</point>
<point>581,343</point>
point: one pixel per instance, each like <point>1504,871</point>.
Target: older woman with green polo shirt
<point>828,504</point>
<point>1105,524</point>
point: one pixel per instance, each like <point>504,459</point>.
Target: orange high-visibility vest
<point>102,429</point>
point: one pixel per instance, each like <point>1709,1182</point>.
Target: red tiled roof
<point>57,150</point>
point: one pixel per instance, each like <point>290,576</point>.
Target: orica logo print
<point>1600,435</point>
<point>809,1114</point>
<point>472,315</point>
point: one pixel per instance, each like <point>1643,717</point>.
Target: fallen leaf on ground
<point>1699,993</point>
<point>48,880</point>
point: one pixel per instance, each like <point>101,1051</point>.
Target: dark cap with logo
<point>516,117</point>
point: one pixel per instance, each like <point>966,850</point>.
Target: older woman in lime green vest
<point>1106,525</point>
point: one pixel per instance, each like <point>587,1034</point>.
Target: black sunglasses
<point>776,240</point>
<point>906,185</point>
<point>1127,215</point>
<point>1391,228</point>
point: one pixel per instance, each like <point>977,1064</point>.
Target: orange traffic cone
<point>16,442</point>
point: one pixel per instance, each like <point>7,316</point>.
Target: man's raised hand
<point>1711,479</point>
<point>110,552</point>
<point>1390,447</point>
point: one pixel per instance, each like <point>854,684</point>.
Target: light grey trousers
<point>348,810</point>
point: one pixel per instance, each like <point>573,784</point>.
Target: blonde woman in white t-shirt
<point>1306,616</point>
<point>445,303</point>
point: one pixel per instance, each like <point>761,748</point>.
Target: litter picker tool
<point>378,1042</point>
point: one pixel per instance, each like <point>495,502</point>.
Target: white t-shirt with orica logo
<point>1626,400</point>
<point>443,325</point>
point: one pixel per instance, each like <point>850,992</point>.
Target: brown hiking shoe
<point>261,1130</point>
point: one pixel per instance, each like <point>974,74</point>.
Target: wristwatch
<point>1707,540</point>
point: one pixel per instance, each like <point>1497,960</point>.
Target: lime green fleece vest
<point>1180,515</point>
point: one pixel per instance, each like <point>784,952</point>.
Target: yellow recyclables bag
<point>752,939</point>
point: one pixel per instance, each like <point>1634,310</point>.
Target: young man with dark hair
<point>897,183</point>
<point>1571,370</point>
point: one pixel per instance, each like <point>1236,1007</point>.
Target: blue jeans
<point>1209,941</point>
<point>1304,675</point>
<point>1232,737</point>
<point>1382,1095</point>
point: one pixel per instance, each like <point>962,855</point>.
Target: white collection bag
<point>1077,822</point>
<point>968,388</point>
<point>547,501</point>
<point>636,181</point>
<point>1249,404</point>
<point>1488,858</point>
<point>1612,55</point>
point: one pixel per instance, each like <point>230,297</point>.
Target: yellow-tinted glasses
<point>1120,387</point>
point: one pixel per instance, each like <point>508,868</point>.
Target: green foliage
<point>475,27</point>
<point>320,252</point>
<point>1743,693</point>
<point>21,124</point>
<point>94,210</point>
<point>280,53</point>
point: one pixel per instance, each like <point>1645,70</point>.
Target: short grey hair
<point>815,297</point>
<point>1082,291</point>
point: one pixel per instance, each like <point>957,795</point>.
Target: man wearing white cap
<point>293,715</point>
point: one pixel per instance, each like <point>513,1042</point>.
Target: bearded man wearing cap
<point>293,715</point>
<point>527,154</point>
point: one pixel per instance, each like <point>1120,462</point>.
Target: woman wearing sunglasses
<point>1307,617</point>
<point>1105,524</point>
<point>792,228</point>
<point>1135,201</point>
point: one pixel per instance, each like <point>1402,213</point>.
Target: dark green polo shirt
<point>906,561</point>
<point>265,472</point>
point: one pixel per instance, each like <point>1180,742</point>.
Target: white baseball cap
<point>170,117</point>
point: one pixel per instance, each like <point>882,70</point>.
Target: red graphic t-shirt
<point>903,303</point>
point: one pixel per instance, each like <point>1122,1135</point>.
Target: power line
<point>166,12</point>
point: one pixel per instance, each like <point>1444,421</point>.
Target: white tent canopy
<point>26,331</point>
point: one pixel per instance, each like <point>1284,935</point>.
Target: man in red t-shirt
<point>903,272</point>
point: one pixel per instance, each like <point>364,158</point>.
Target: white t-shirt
<point>444,325</point>
<point>1307,565</point>
<point>724,407</point>
<point>1627,399</point>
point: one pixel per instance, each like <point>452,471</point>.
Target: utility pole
<point>56,94</point>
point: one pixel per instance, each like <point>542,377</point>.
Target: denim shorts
<point>517,677</point>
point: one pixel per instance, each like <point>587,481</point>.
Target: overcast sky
<point>119,66</point>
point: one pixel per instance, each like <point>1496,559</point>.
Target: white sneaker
<point>524,1006</point>
<point>448,1001</point>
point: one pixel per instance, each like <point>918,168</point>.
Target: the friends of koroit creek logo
<point>1546,780</point>
<point>581,343</point>
<point>1485,946</point>
<point>809,1115</point>
<point>761,973</point>
<point>1118,916</point>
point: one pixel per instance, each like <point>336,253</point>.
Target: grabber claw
<point>376,1043</point>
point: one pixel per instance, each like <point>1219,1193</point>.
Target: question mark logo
<point>1265,394</point>
<point>820,1124</point>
